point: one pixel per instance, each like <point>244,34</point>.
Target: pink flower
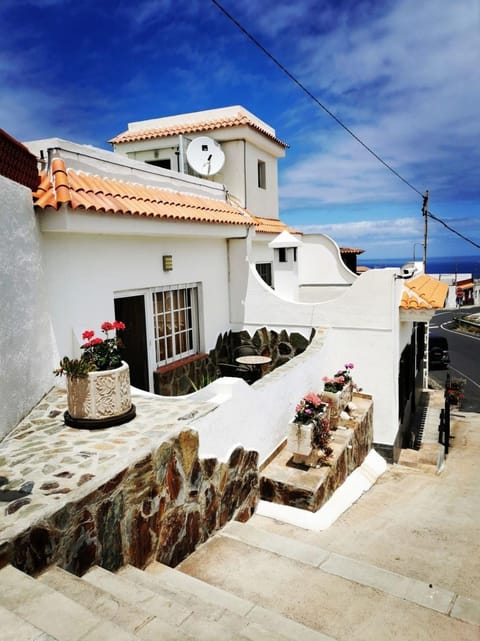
<point>312,398</point>
<point>349,365</point>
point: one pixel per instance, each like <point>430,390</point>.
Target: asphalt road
<point>464,356</point>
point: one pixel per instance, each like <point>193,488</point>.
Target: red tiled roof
<point>424,292</point>
<point>271,226</point>
<point>239,120</point>
<point>106,195</point>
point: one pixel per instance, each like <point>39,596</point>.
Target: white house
<point>182,260</point>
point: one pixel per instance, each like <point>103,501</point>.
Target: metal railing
<point>444,425</point>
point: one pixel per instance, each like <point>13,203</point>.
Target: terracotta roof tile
<point>133,135</point>
<point>99,194</point>
<point>272,226</point>
<point>424,292</point>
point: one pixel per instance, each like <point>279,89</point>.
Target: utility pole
<point>425,229</point>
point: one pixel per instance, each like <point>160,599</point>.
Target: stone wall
<point>280,346</point>
<point>185,376</point>
<point>159,508</point>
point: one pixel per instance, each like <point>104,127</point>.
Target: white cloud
<point>407,82</point>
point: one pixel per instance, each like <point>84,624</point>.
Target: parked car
<point>438,355</point>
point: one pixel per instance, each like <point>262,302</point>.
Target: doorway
<point>131,310</point>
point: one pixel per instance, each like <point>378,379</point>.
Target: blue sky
<point>404,75</point>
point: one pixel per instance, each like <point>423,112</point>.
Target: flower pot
<point>101,399</point>
<point>337,402</point>
<point>299,438</point>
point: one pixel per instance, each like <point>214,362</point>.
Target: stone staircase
<point>246,583</point>
<point>159,604</point>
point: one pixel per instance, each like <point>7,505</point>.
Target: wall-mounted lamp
<point>167,263</point>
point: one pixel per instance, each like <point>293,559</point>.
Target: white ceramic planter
<point>299,438</point>
<point>102,397</point>
<point>337,402</point>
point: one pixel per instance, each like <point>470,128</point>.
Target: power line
<point>312,96</point>
<point>472,242</point>
<point>334,117</point>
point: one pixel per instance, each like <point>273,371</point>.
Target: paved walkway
<point>43,460</point>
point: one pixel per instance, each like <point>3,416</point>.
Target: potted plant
<point>98,383</point>
<point>454,391</point>
<point>309,432</point>
<point>337,392</point>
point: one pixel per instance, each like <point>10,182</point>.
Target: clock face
<point>205,156</point>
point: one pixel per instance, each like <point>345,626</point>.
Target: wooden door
<point>131,310</point>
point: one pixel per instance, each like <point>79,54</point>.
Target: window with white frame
<point>175,323</point>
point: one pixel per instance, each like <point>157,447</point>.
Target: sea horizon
<point>435,264</point>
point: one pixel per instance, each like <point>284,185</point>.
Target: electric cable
<point>312,96</point>
<point>332,115</point>
<point>439,220</point>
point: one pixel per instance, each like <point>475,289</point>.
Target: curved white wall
<point>362,324</point>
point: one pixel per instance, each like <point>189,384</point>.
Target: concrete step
<point>242,616</point>
<point>53,613</point>
<point>14,628</point>
<point>190,623</point>
<point>403,587</point>
<point>199,623</point>
<point>428,458</point>
<point>136,620</point>
<point>156,605</point>
<point>325,591</point>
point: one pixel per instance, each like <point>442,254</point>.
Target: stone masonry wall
<point>159,508</point>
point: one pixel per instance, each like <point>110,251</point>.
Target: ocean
<point>444,265</point>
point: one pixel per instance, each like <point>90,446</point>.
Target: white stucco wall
<point>85,272</point>
<point>322,274</point>
<point>27,350</point>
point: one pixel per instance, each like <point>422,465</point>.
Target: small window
<point>165,163</point>
<point>282,255</point>
<point>262,175</point>
<point>265,272</point>
<point>294,254</point>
